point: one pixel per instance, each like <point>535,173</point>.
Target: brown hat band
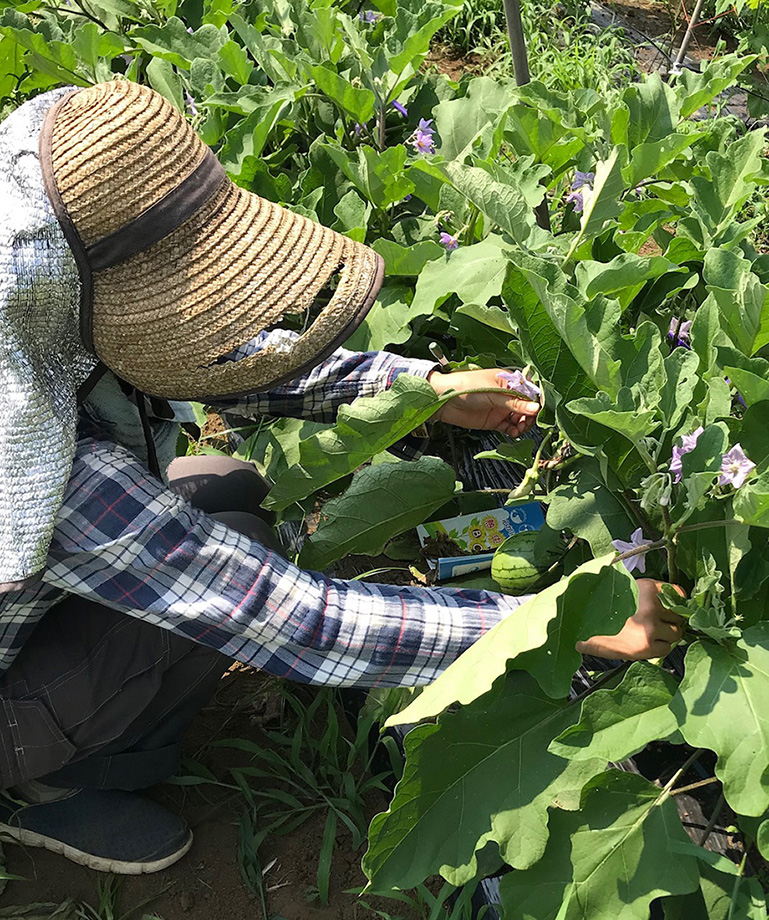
<point>152,225</point>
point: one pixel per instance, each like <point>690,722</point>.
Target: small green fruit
<point>513,566</point>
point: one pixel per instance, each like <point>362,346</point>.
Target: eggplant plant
<point>642,315</point>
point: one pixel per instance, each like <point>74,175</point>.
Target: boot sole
<point>98,863</point>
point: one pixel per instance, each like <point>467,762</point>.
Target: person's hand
<point>500,411</point>
<point>650,633</point>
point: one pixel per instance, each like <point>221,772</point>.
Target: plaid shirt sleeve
<point>338,380</point>
<point>124,540</point>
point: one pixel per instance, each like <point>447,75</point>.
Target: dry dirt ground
<point>206,884</point>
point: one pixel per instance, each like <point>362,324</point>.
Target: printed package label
<point>476,536</point>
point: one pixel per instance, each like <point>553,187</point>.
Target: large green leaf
<point>601,203</point>
<point>623,413</point>
<point>650,159</point>
<point>585,505</point>
<point>460,122</point>
<point>415,25</point>
<point>609,860</point>
<point>742,300</point>
<point>381,502</point>
<point>52,57</point>
<point>595,605</point>
<point>474,273</point>
<point>615,724</point>
<point>653,113</point>
<point>719,197</point>
<point>249,136</point>
<point>174,43</point>
<point>366,427</point>
<point>473,673</point>
<point>386,323</point>
<point>542,342</point>
<point>356,101</point>
<point>622,277</point>
<point>721,896</point>
<point>721,705</point>
<point>502,202</point>
<point>588,329</point>
<point>378,176</point>
<point>751,503</point>
<point>482,774</point>
<point>166,81</point>
<point>407,260</point>
<point>275,447</point>
<point>680,383</point>
<point>695,90</point>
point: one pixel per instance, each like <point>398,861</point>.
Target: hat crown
<point>118,148</point>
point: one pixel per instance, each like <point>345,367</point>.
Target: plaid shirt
<point>123,539</point>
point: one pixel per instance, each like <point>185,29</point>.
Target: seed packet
<point>464,544</point>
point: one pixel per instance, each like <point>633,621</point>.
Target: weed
<point>108,889</point>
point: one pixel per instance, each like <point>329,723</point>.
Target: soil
<point>206,884</point>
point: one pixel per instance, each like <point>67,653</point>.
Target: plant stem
<point>646,524</point>
<point>736,888</point>
<point>639,550</point>
<point>668,788</point>
<point>703,782</point>
<point>707,525</point>
<point>602,681</point>
<point>670,544</point>
<point>676,68</point>
<point>713,818</point>
<point>381,127</point>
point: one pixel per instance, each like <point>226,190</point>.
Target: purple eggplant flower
<point>576,199</point>
<point>688,443</point>
<point>582,179</point>
<point>369,16</point>
<point>399,107</point>
<point>449,241</point>
<point>680,332</point>
<point>421,142</point>
<point>425,126</point>
<point>735,467</point>
<point>358,128</point>
<point>514,380</point>
<point>632,562</point>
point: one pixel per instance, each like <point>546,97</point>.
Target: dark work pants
<point>100,699</point>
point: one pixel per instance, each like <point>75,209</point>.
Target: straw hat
<point>179,267</point>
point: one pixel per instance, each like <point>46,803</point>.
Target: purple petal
<point>581,179</point>
<point>399,107</point>
<point>735,467</point>
<point>449,241</point>
<point>576,199</point>
<point>516,381</point>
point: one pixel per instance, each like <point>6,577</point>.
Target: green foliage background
<point>296,99</point>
